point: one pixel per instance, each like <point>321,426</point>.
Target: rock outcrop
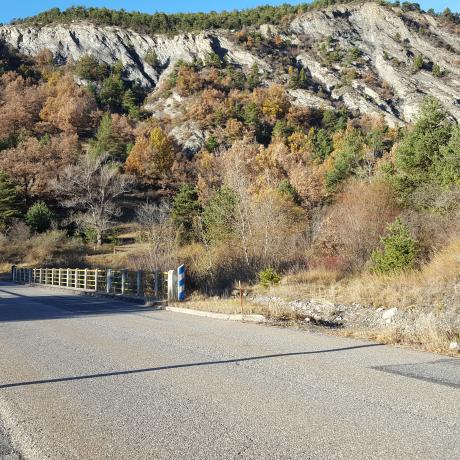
<point>372,72</point>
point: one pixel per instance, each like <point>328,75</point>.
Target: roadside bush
<point>55,248</point>
<point>399,250</point>
<point>269,276</point>
<point>356,222</point>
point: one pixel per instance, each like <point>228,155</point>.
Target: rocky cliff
<point>374,59</point>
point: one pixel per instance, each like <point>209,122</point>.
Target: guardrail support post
<point>123,281</point>
<point>156,285</point>
<point>172,285</point>
<point>139,290</point>
<point>68,278</point>
<point>96,279</point>
<point>13,272</point>
<point>109,280</point>
<point>85,279</point>
<point>30,275</point>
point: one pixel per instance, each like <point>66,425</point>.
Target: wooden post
<point>85,279</point>
<point>96,276</point>
<point>68,283</point>
<point>13,272</point>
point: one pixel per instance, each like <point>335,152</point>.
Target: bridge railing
<point>156,285</point>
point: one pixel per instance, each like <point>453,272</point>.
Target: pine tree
<point>106,141</point>
<point>254,77</point>
<point>185,208</point>
<point>8,201</point>
<point>129,104</point>
<point>39,217</point>
<point>219,215</point>
<point>399,250</point>
<point>112,92</point>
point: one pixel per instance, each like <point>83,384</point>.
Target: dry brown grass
<point>231,306</point>
<point>318,275</point>
<point>436,285</point>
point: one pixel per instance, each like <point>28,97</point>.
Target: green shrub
<point>269,276</point>
<point>418,63</point>
<point>151,58</point>
<point>399,251</point>
<point>39,217</point>
<point>436,71</point>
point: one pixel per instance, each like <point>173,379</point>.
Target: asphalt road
<point>92,378</point>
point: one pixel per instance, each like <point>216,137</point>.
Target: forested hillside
<point>192,22</point>
<point>222,168</point>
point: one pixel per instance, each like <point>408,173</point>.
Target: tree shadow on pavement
<point>181,366</point>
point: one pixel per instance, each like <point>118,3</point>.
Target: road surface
<point>93,378</point>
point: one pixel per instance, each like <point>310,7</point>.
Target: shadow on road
<point>180,366</point>
<point>18,307</point>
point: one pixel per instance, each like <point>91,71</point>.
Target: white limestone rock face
<point>112,44</point>
<point>386,39</point>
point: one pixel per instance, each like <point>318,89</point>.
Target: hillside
<point>372,58</point>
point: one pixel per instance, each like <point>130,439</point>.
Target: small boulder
<point>389,314</point>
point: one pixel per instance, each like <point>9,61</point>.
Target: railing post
<point>172,285</point>
<point>96,275</point>
<point>68,278</point>
<point>123,281</point>
<point>139,290</point>
<point>156,285</point>
<point>59,277</point>
<point>85,279</point>
<point>108,282</point>
<point>13,272</point>
<point>30,276</point>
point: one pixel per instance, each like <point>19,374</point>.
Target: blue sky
<point>10,9</point>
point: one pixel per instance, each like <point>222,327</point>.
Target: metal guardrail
<point>156,285</point>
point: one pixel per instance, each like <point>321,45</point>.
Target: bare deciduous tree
<point>91,190</point>
<point>157,231</point>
